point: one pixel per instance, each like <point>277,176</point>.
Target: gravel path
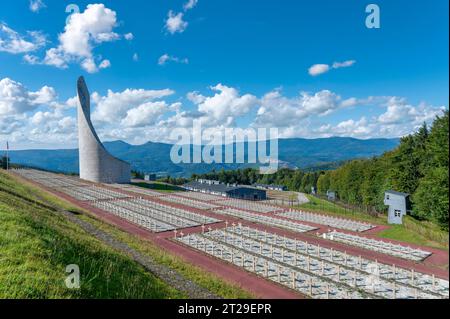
<point>171,277</point>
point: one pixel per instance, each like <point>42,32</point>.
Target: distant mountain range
<point>310,154</point>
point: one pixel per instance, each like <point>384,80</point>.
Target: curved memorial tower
<point>96,164</point>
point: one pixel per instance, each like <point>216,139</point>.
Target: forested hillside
<point>418,166</point>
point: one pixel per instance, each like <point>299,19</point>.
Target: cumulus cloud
<point>398,119</point>
<point>37,5</point>
<point>145,114</point>
<point>82,33</point>
<point>175,22</point>
<point>225,105</point>
<point>280,111</point>
<point>318,69</point>
<point>113,107</point>
<point>129,36</point>
<point>165,58</point>
<point>105,64</point>
<point>195,97</point>
<point>15,43</point>
<point>135,57</point>
<point>15,98</point>
<point>36,118</point>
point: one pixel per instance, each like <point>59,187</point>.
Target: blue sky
<point>255,56</point>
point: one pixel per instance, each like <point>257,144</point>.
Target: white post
<point>394,292</point>
<point>339,272</point>
<point>293,280</point>
<point>310,287</point>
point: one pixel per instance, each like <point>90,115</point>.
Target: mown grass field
<point>119,276</point>
<point>37,243</point>
<point>412,231</point>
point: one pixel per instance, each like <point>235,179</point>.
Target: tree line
<point>418,166</point>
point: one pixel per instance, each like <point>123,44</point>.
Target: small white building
<point>331,195</point>
<point>399,205</point>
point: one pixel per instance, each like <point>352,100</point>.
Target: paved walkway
<point>302,199</point>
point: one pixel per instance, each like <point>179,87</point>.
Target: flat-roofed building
<point>226,190</point>
<point>271,187</point>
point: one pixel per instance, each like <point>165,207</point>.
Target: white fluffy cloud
<point>113,107</point>
<point>190,5</point>
<point>17,99</point>
<point>165,58</point>
<point>398,119</point>
<point>145,114</point>
<point>224,106</point>
<point>82,33</point>
<point>36,5</point>
<point>277,110</point>
<point>105,64</point>
<point>129,36</point>
<point>175,22</point>
<point>37,119</point>
<point>15,43</point>
<point>318,69</point>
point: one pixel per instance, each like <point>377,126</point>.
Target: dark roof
<point>220,188</point>
<point>397,193</point>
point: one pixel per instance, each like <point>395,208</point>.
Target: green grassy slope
<point>37,243</point>
<point>196,274</point>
